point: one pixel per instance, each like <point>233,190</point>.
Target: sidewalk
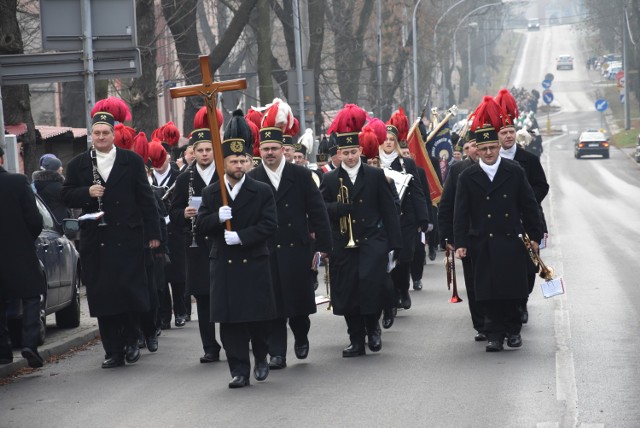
<point>58,341</point>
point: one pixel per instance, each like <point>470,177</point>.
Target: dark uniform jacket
<point>196,258</point>
<point>413,212</point>
<point>112,256</point>
<point>300,209</point>
<point>448,199</point>
<point>20,225</point>
<point>488,217</point>
<point>241,287</point>
<point>358,276</point>
<point>535,175</point>
<point>175,271</point>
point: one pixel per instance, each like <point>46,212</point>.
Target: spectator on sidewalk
<point>48,184</point>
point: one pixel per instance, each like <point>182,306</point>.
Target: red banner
<point>419,152</point>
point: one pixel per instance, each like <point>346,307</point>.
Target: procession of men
<point>245,236</point>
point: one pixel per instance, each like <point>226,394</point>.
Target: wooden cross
<point>208,89</point>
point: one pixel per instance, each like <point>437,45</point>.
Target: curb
<point>52,350</point>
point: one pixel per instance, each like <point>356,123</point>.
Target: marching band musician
<point>359,198</point>
<point>182,214</point>
<point>113,181</point>
<point>445,225</point>
<point>532,168</point>
<point>301,212</point>
<point>242,296</point>
<point>494,205</point>
<point>413,216</point>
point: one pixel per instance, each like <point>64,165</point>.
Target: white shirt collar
<point>509,153</point>
<point>352,172</point>
<point>161,177</point>
<point>233,192</point>
<point>105,162</point>
<point>490,170</point>
<point>206,173</point>
<point>275,176</point>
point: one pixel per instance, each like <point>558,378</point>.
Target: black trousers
<point>300,326</point>
<point>419,256</point>
<point>118,331</point>
<point>501,318</point>
<point>400,276</point>
<point>30,325</point>
<point>359,325</point>
<point>149,322</point>
<point>207,328</point>
<point>235,339</point>
<point>177,295</point>
<point>477,314</point>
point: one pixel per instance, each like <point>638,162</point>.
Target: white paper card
<point>392,263</point>
<point>91,216</point>
<point>553,287</point>
<point>423,238</point>
<point>196,201</point>
<point>322,299</point>
<point>543,242</point>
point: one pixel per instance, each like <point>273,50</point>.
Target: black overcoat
<point>413,211</point>
<point>488,217</point>
<point>241,287</point>
<point>48,184</point>
<point>20,226</point>
<point>196,258</point>
<point>112,256</point>
<point>536,177</point>
<point>358,276</point>
<point>448,199</point>
<point>300,209</point>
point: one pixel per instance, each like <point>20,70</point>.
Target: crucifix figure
<point>208,89</point>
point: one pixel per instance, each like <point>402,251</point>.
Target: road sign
<point>546,83</point>
<point>549,77</point>
<point>622,96</point>
<point>602,104</point>
<point>547,96</point>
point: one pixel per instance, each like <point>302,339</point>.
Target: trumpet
<point>327,281</point>
<point>450,267</point>
<point>545,272</point>
<point>345,221</point>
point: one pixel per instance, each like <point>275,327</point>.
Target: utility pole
<point>625,62</point>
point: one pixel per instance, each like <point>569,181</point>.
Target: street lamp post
<point>415,61</point>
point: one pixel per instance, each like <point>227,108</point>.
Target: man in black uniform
<point>532,168</point>
<point>445,225</point>
<point>494,207</point>
<point>114,181</point>
<point>242,297</point>
<point>367,213</point>
<point>301,210</point>
<point>184,208</point>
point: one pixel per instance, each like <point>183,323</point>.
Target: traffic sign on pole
<point>602,104</point>
<point>546,83</point>
<point>547,96</point>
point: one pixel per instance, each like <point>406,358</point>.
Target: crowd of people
<point>244,233</point>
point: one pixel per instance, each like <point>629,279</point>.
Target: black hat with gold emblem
<point>238,138</point>
<point>322,157</point>
<point>202,135</point>
<point>488,119</point>
<point>270,135</point>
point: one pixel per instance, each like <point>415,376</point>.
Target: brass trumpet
<point>327,281</point>
<point>545,272</point>
<point>345,221</point>
<point>450,267</point>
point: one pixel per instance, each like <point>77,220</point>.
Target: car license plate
<point>594,145</point>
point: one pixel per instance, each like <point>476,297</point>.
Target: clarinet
<point>97,180</point>
<point>194,244</point>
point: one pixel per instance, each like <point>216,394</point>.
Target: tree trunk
<point>144,90</point>
<point>15,98</point>
<point>316,10</point>
<point>264,52</point>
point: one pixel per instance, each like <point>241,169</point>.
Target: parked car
<point>533,25</point>
<point>592,143</point>
<point>564,61</point>
<point>60,265</point>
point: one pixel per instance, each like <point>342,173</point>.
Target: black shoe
<point>180,320</point>
<point>494,346</point>
<point>432,253</point>
<point>277,362</point>
<point>417,285</point>
<point>387,318</point>
<point>132,354</point>
<point>514,341</point>
<point>302,351</point>
<point>209,357</point>
<point>34,359</point>
<point>165,325</point>
<point>152,343</point>
<point>112,362</point>
<point>524,316</point>
<point>158,332</point>
<point>375,341</point>
<point>480,337</point>
<point>239,382</point>
<point>353,350</point>
<point>187,317</point>
<point>261,370</point>
<point>141,342</point>
<point>406,300</point>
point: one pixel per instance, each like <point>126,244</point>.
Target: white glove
<point>232,238</point>
<point>224,213</point>
<point>430,227</point>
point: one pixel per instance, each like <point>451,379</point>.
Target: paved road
<point>578,366</point>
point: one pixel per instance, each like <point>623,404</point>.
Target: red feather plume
<point>508,104</point>
<point>141,146</point>
<point>156,154</point>
<point>294,129</point>
<point>124,136</point>
<point>279,115</point>
<point>116,106</point>
<point>170,134</point>
<point>202,121</point>
<point>350,119</point>
<point>400,120</point>
<point>255,117</point>
<point>368,140</point>
<point>378,127</point>
<point>255,132</point>
<point>488,112</point>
